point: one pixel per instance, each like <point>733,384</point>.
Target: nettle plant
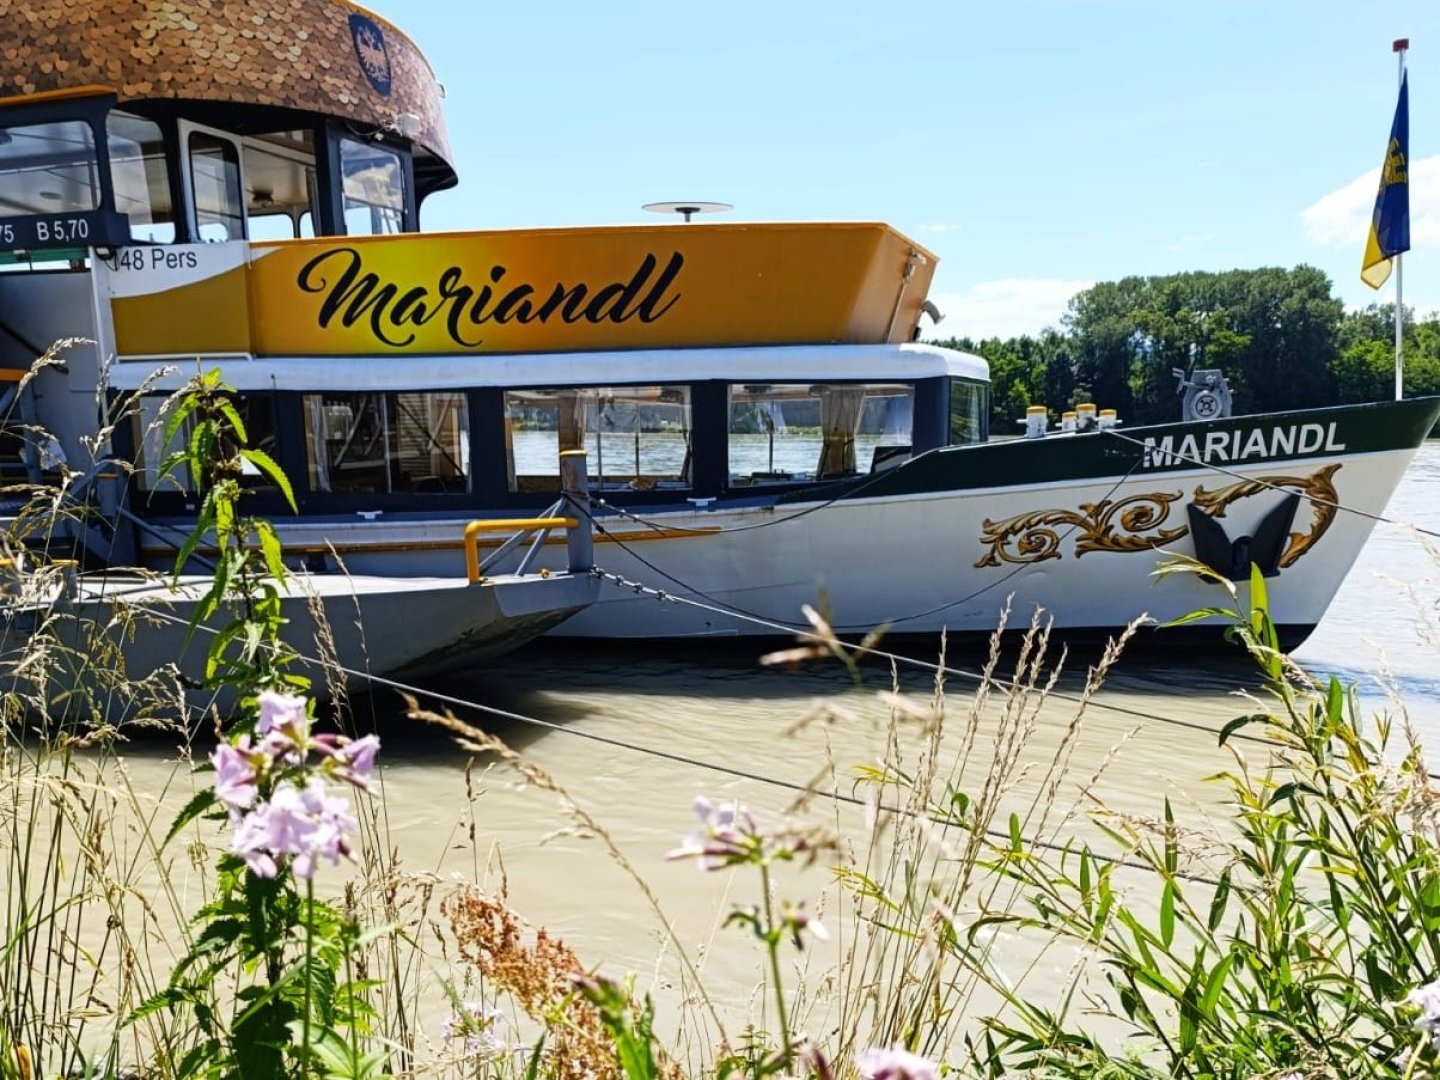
<point>1301,941</point>
<point>210,446</point>
<point>268,983</point>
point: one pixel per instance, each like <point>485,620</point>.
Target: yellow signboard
<point>521,291</point>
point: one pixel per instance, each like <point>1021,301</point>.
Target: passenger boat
<point>192,185</point>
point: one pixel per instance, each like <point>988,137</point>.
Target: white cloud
<point>1343,216</point>
<point>1006,308</point>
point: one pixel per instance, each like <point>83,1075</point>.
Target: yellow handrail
<point>475,528</point>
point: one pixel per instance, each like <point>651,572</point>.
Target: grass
<point>966,898</point>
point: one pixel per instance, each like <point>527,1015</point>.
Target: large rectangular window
<point>636,438</point>
<point>281,186</point>
<point>383,443</point>
<point>215,183</point>
<point>142,185</point>
<point>257,413</point>
<point>783,433</point>
<point>373,187</point>
<point>48,169</point>
<point>969,404</point>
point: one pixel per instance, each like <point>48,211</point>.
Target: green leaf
<point>1215,984</point>
<point>1335,701</point>
<point>202,800</point>
<point>183,409</point>
<point>1281,793</point>
<point>1172,846</point>
<point>1218,901</point>
<point>232,417</point>
<point>532,1067</point>
<point>1241,722</point>
<point>215,654</point>
<point>268,465</point>
<point>1017,843</point>
<point>1198,614</point>
<point>1167,913</point>
<point>270,550</point>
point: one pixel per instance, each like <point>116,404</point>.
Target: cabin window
<point>383,443</point>
<point>793,432</point>
<point>152,412</point>
<point>215,183</point>
<point>280,185</point>
<point>138,172</point>
<point>373,188</point>
<point>49,168</point>
<point>636,438</point>
<point>968,412</point>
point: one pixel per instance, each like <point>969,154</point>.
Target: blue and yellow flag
<point>1390,223</point>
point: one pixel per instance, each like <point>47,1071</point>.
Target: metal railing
<point>579,543</point>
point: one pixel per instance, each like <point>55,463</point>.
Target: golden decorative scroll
<point>1317,489</point>
<point>1035,537</point>
<point>298,54</point>
<point>1032,538</point>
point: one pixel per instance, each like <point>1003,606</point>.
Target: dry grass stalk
<point>537,971</point>
<point>471,738</point>
<point>918,878</point>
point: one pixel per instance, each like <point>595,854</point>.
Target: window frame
<point>186,129</point>
<point>24,237</point>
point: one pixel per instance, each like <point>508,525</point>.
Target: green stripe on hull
<point>1147,451</point>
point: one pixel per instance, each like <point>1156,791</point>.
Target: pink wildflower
<point>235,774</point>
<point>303,824</point>
<point>727,836</point>
<point>283,727</point>
<point>894,1064</point>
<point>356,760</point>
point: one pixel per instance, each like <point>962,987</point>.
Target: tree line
<point>1280,337</point>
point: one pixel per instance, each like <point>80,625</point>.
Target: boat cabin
<point>243,187</point>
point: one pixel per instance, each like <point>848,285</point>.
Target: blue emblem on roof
<point>370,50</point>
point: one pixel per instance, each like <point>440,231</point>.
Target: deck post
<point>575,488</point>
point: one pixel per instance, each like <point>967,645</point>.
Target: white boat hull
<point>376,626</point>
<point>931,562</point>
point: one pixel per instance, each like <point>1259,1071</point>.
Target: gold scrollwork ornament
<point>1033,537</point>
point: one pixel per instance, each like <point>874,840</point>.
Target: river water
<point>633,735</point>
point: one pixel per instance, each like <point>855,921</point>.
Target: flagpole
<point>1399,47</point>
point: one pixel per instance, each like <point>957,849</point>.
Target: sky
<point>1034,147</point>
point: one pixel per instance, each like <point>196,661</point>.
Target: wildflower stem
<point>309,950</point>
<point>1414,1060</point>
<point>772,945</point>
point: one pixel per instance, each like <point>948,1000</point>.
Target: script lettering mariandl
<point>1241,445</point>
<point>353,295</point>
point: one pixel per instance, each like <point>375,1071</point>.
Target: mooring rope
<point>843,628</point>
<point>441,697</point>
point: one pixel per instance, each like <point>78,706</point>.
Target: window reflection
<point>968,407</point>
<point>257,413</point>
<point>215,179</point>
<point>142,184</point>
<point>636,438</point>
<point>48,169</point>
<point>382,443</point>
<point>795,432</point>
<point>373,188</point>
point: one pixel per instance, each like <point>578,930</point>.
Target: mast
<point>1400,46</point>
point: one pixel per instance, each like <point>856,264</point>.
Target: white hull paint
<point>384,626</point>
<point>911,561</point>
